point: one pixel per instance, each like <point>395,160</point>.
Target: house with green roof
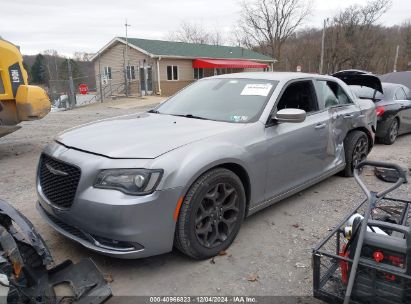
<point>165,67</point>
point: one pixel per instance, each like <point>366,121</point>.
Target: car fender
<point>196,159</point>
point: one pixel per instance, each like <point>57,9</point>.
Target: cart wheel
<point>356,150</point>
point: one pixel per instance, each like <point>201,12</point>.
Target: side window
<point>299,95</point>
<point>400,94</point>
<point>331,94</point>
<point>1,85</point>
<point>340,93</point>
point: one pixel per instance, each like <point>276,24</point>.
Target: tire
<point>392,133</point>
<point>356,150</point>
<point>218,220</point>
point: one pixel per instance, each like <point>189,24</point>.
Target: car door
<point>343,114</point>
<point>296,152</point>
<point>401,97</point>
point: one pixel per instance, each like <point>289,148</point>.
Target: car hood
<point>143,135</point>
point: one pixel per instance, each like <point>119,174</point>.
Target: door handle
<point>348,116</point>
<point>320,126</point>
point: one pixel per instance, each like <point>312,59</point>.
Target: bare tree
<point>354,36</point>
<point>271,22</point>
<point>192,33</point>
<point>82,56</point>
<point>52,63</point>
<point>354,39</point>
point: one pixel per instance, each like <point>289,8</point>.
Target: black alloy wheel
<point>211,214</point>
<point>217,214</point>
<point>360,151</point>
<point>356,148</point>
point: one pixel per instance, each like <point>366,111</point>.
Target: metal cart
<point>376,265</point>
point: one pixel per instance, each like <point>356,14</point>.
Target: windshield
<point>363,92</point>
<point>230,100</point>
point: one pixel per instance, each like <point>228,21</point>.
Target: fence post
<point>71,94</point>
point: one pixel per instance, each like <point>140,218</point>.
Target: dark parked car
<point>392,101</point>
<point>393,112</point>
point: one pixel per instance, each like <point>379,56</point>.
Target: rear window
<point>331,94</point>
<point>400,94</point>
<point>366,92</point>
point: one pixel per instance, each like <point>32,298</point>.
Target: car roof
<point>390,89</point>
<point>392,85</point>
<point>278,76</point>
<point>403,78</point>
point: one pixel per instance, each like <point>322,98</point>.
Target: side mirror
<point>289,115</point>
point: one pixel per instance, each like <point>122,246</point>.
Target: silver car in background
<point>188,172</point>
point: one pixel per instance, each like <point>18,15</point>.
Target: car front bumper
<point>109,221</point>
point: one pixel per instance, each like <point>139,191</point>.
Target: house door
<point>146,80</point>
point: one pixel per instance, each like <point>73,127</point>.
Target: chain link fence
<point>71,92</point>
<point>65,95</point>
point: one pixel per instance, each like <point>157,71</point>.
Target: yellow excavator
<point>18,100</point>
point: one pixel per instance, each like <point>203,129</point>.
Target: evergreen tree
<point>39,71</point>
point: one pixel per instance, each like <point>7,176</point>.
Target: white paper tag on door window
<point>257,89</point>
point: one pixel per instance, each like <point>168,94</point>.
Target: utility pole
<point>140,79</point>
<point>396,58</point>
<point>100,78</point>
<point>320,70</point>
<point>72,94</point>
<point>127,61</point>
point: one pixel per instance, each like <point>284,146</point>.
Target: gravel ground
<point>264,257</point>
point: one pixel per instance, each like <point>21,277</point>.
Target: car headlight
<point>129,181</point>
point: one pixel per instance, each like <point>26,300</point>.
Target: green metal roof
<point>194,50</point>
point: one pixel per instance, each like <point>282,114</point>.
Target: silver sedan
<point>188,172</point>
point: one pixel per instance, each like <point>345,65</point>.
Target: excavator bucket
<point>18,100</point>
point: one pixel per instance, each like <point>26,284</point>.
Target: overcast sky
<point>86,25</point>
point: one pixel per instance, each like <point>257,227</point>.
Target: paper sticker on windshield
<point>257,89</point>
<point>238,118</point>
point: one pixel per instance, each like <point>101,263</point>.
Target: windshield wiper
<point>190,116</point>
<point>153,111</point>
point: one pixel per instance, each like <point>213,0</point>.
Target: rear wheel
<point>356,150</point>
<point>211,214</point>
<point>392,133</point>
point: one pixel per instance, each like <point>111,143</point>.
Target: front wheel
<point>211,214</point>
<point>356,150</point>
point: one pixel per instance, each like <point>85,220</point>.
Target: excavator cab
<point>19,101</point>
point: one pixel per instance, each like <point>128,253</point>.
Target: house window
<point>107,72</point>
<point>198,73</point>
<point>131,74</point>
<point>172,72</point>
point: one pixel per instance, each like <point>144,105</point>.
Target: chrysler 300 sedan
<point>189,171</point>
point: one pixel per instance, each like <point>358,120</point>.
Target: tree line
<point>353,37</point>
<point>50,69</point>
